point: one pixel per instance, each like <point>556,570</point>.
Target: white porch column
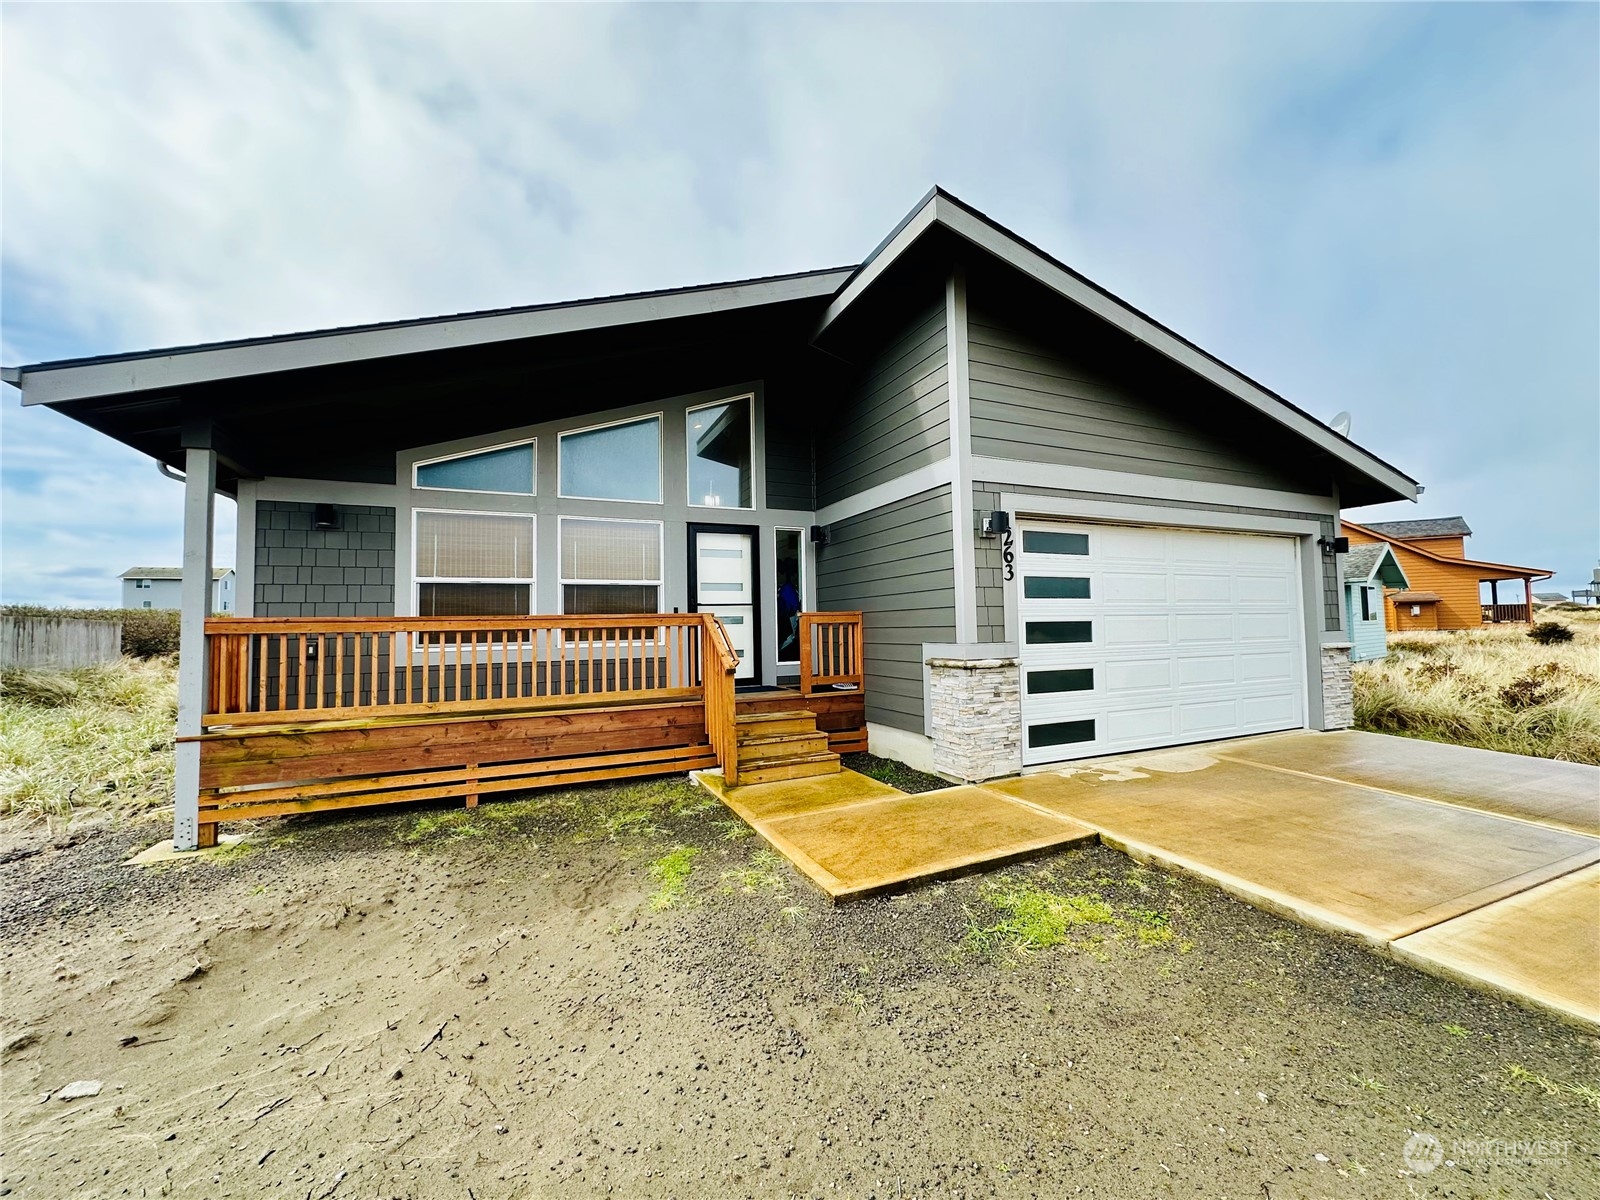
<point>199,502</point>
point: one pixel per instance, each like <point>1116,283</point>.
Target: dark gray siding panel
<point>990,563</point>
<point>897,565</point>
<point>789,468</point>
<point>1037,403</point>
<point>303,571</point>
<point>897,417</point>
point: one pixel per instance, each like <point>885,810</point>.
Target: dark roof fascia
<point>116,374</point>
<point>941,208</point>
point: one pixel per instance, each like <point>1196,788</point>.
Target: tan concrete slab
<point>856,849</point>
<point>162,853</point>
<point>1542,946</point>
<point>1563,794</point>
<point>1326,853</point>
<point>763,801</point>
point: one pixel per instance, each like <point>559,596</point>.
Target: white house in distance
<point>162,587</point>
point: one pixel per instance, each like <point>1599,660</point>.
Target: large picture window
<point>506,470</point>
<point>719,440</point>
<point>610,566</point>
<point>614,462</point>
<point>471,564</point>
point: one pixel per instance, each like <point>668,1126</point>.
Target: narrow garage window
<point>1078,679</point>
<point>1055,633</point>
<point>1052,587</point>
<point>1043,541</point>
<point>1059,733</point>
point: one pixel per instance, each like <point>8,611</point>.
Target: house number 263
<point>1008,555</point>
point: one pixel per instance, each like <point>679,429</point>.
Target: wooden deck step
<point>783,745</point>
<point>758,725</point>
<point>773,770</point>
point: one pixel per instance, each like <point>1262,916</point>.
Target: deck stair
<point>782,745</point>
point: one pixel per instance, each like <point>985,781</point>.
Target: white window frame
<point>801,535</point>
<point>561,541</point>
<point>533,559</point>
<point>749,399</point>
<point>533,479</point>
<point>660,417</point>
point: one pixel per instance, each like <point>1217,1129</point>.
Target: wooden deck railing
<point>274,670</point>
<point>830,651</point>
<point>1494,614</point>
<point>721,665</point>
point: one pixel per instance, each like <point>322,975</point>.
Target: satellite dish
<point>1341,424</point>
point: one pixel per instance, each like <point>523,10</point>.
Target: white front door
<point>1137,637</point>
<point>725,585</point>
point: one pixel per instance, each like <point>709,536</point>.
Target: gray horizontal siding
<point>897,417</point>
<point>789,474</point>
<point>303,571</point>
<point>1038,404</point>
<point>897,565</point>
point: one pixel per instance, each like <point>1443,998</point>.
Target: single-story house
<point>162,587</point>
<point>1445,589</point>
<point>1007,516</point>
<point>1369,571</point>
<point>1546,599</point>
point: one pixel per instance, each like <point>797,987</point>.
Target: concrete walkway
<point>1471,864</point>
<point>854,836</point>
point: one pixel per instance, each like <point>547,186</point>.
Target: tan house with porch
<point>1444,586</point>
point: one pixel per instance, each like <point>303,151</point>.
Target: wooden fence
<point>58,642</point>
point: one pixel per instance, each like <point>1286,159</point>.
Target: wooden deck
<point>306,715</point>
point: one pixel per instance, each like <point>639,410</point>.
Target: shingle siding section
<point>897,565</point>
<point>303,571</point>
<point>897,417</point>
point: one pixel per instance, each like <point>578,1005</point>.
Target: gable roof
<point>1428,527</point>
<point>124,380</point>
<point>940,210</point>
<point>1374,560</point>
<point>178,366</point>
<point>168,572</point>
<point>1487,570</point>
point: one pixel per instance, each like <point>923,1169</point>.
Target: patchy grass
<point>1522,1077</point>
<point>1494,687</point>
<point>765,872</point>
<point>1034,914</point>
<point>671,872</point>
<point>95,737</point>
<point>895,774</point>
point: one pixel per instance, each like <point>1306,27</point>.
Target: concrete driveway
<point>1467,863</point>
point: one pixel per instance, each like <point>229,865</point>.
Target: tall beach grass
<point>96,737</point>
<point>1493,687</point>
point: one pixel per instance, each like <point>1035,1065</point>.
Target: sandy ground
<point>429,1003</point>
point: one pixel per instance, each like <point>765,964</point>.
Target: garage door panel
<point>1183,635</point>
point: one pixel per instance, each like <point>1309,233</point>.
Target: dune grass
<point>93,738</point>
<point>1493,687</point>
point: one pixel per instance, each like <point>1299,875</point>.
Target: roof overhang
<point>156,370</point>
<point>1385,568</point>
<point>940,210</point>
<point>1487,571</point>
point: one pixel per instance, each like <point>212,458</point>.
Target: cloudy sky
<point>1393,210</point>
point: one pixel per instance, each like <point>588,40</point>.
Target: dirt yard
<point>618,991</point>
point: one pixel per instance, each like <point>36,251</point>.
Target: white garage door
<point>1137,637</point>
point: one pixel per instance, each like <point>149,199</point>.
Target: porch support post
<point>1494,601</point>
<point>1527,595</point>
<point>199,501</point>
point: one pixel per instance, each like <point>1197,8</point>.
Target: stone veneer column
<point>1338,710</point>
<point>976,716</point>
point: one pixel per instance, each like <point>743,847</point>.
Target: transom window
<point>610,566</point>
<point>470,564</point>
<point>719,442</point>
<point>506,470</point>
<point>621,461</point>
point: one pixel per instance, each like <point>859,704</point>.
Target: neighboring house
<point>1445,589</point>
<point>162,587</point>
<point>1069,530</point>
<point>1546,599</point>
<point>1368,571</point>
